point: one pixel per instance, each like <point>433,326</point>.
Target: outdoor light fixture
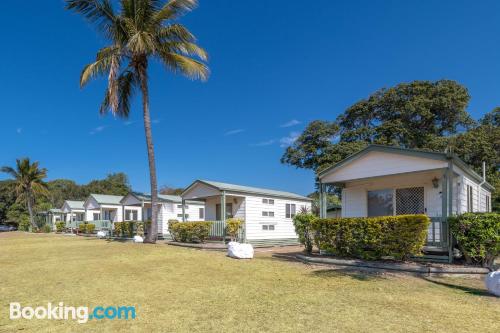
<point>435,182</point>
<point>235,200</point>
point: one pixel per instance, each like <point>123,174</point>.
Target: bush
<point>60,226</point>
<point>303,228</point>
<point>190,232</point>
<point>24,225</point>
<point>372,238</point>
<point>82,228</point>
<point>232,228</point>
<point>46,228</point>
<point>129,228</point>
<point>90,228</point>
<point>170,223</point>
<point>478,236</point>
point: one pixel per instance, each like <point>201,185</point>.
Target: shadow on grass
<point>468,290</point>
<point>354,273</point>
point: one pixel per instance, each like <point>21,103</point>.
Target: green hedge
<point>477,236</point>
<point>129,228</point>
<point>372,238</point>
<point>190,232</point>
<point>87,228</point>
<point>60,226</point>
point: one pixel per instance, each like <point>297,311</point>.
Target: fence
<point>218,231</point>
<point>438,232</point>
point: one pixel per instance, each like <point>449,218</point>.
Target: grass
<point>179,290</point>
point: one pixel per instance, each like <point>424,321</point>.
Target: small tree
<point>303,228</point>
<point>29,183</point>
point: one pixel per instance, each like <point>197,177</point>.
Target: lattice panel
<point>410,200</point>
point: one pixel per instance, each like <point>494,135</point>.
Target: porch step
<point>432,258</point>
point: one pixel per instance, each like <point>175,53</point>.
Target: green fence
<point>218,231</point>
<point>438,233</point>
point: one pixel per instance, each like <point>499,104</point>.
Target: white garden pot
<point>492,282</point>
<point>138,239</point>
<point>240,251</point>
<point>102,234</point>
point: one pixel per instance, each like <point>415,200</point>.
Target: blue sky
<point>276,65</point>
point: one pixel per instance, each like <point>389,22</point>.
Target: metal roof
<point>248,189</point>
<point>107,199</point>
<point>162,198</point>
<point>75,204</point>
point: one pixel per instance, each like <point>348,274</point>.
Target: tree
<point>408,115</point>
<point>29,183</point>
<point>64,189</point>
<point>7,198</point>
<point>140,31</point>
<point>114,184</point>
<point>171,190</point>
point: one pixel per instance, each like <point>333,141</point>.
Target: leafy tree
<point>171,190</point>
<point>7,198</point>
<point>29,183</point>
<point>140,31</point>
<point>114,184</point>
<point>64,189</point>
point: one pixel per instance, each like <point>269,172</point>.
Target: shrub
<point>372,238</point>
<point>478,236</point>
<point>129,228</point>
<point>190,232</point>
<point>90,228</point>
<point>232,228</point>
<point>303,228</point>
<point>82,228</point>
<point>60,226</point>
<point>24,225</point>
<point>118,228</point>
<point>46,228</point>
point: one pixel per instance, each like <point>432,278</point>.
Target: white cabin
<point>73,210</point>
<point>383,180</point>
<point>170,209</point>
<point>267,214</point>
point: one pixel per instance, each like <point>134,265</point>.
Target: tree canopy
<point>420,114</point>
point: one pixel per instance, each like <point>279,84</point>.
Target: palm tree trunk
<point>153,227</point>
<point>30,211</point>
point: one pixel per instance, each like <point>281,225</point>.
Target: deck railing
<point>99,224</point>
<point>438,232</point>
<point>218,231</point>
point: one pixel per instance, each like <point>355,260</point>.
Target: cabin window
<point>149,213</point>
<point>290,211</point>
<point>130,215</point>
<point>201,213</point>
<point>488,203</point>
<point>267,213</point>
<point>268,227</point>
<point>470,206</point>
<point>380,203</point>
<point>268,201</point>
<point>97,216</point>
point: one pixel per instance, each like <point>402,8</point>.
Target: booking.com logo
<point>81,314</point>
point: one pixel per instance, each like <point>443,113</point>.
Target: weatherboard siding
<point>283,226</point>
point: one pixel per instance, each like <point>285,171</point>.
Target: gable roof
<point>146,197</point>
<point>106,199</point>
<point>55,211</point>
<point>247,189</point>
<point>74,204</point>
<point>441,156</point>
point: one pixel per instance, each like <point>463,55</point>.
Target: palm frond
<point>184,48</point>
<point>126,85</point>
<point>96,11</point>
<point>104,60</point>
<point>175,32</point>
<point>173,9</point>
<point>189,67</point>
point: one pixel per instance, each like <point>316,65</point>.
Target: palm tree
<point>28,180</point>
<point>140,31</point>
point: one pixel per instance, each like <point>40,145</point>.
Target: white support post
<point>183,203</point>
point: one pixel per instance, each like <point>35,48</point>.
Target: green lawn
<point>177,289</point>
